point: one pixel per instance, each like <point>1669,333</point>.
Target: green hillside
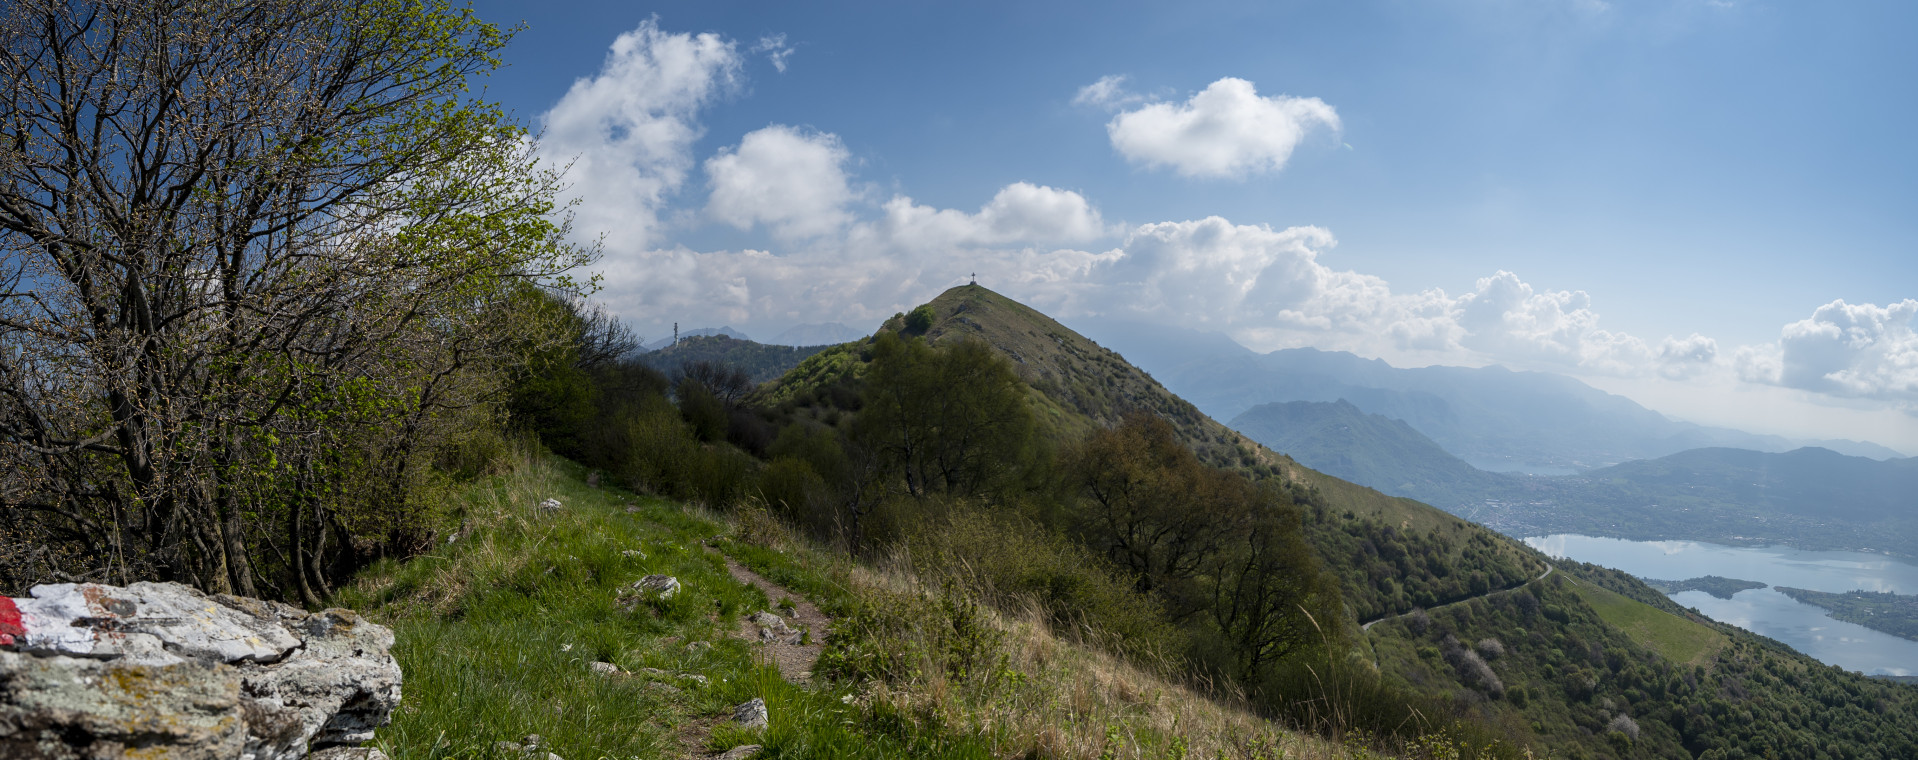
<point>1595,646</point>
<point>761,362</point>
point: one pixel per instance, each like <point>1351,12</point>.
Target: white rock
<point>751,715</point>
<point>161,667</point>
<point>665,586</point>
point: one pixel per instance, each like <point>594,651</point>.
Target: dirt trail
<point>783,648</point>
<point>1542,576</point>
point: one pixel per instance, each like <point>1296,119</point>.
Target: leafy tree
<point>920,319</point>
<point>1153,508</point>
<point>260,260</point>
<point>949,420</point>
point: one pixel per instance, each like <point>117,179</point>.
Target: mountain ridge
<point>1494,418</point>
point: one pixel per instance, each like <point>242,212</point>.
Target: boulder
<point>90,670</point>
<point>664,586</point>
<point>603,668</point>
<point>751,715</point>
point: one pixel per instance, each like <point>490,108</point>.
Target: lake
<point>1765,611</point>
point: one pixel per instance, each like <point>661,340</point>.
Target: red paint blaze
<point>10,625</point>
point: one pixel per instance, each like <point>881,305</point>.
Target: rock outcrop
<point>162,670</point>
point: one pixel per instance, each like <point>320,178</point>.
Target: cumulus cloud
<point>790,180</point>
<point>1506,317</point>
<point>631,127</point>
<point>1019,213</point>
<point>1226,130</point>
<point>1680,358</point>
<point>628,131</point>
<point>1845,350</point>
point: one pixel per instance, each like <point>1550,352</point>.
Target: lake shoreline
<point>1766,611</point>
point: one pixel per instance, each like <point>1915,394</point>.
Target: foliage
<point>1571,666</point>
<point>946,420</point>
<point>761,362</point>
<point>254,288</point>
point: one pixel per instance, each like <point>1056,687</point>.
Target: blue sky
<point>1666,198</point>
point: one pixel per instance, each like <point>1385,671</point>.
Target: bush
<point>920,320</point>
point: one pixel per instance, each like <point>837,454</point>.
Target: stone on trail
<point>90,670</point>
<point>663,585</point>
<point>751,715</point>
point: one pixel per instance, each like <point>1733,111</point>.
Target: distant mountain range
<point>1812,498</point>
<point>1493,418</point>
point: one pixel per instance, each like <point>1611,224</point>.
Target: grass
<point>1675,638</point>
<point>495,632</point>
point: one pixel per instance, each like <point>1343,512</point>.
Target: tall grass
<point>496,628</point>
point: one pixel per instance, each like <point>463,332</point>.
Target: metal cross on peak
<point>975,278</point>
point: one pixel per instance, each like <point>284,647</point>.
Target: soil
<point>794,660</point>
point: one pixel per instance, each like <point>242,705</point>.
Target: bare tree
<point>252,253</point>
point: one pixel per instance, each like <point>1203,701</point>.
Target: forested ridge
<point>257,353</point>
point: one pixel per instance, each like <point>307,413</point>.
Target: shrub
<point>920,320</point>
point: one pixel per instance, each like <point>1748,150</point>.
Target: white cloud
<point>776,50</point>
<point>628,131</point>
<point>1844,350</point>
<point>1681,358</point>
<point>1226,130</point>
<point>1108,92</point>
<point>1507,318</point>
<point>792,181</point>
<point>1019,213</point>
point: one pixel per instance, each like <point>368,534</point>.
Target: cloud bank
<point>841,252</point>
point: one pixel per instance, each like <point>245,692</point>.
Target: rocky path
<point>791,637</point>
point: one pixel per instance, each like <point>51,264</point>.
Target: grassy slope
<point>496,629</point>
<point>1675,638</point>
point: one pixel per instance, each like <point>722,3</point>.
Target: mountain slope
<point>1586,665</point>
<point>762,362</point>
<point>1551,662</point>
<point>1367,449</point>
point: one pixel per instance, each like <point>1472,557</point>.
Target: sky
<point>1704,205</point>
